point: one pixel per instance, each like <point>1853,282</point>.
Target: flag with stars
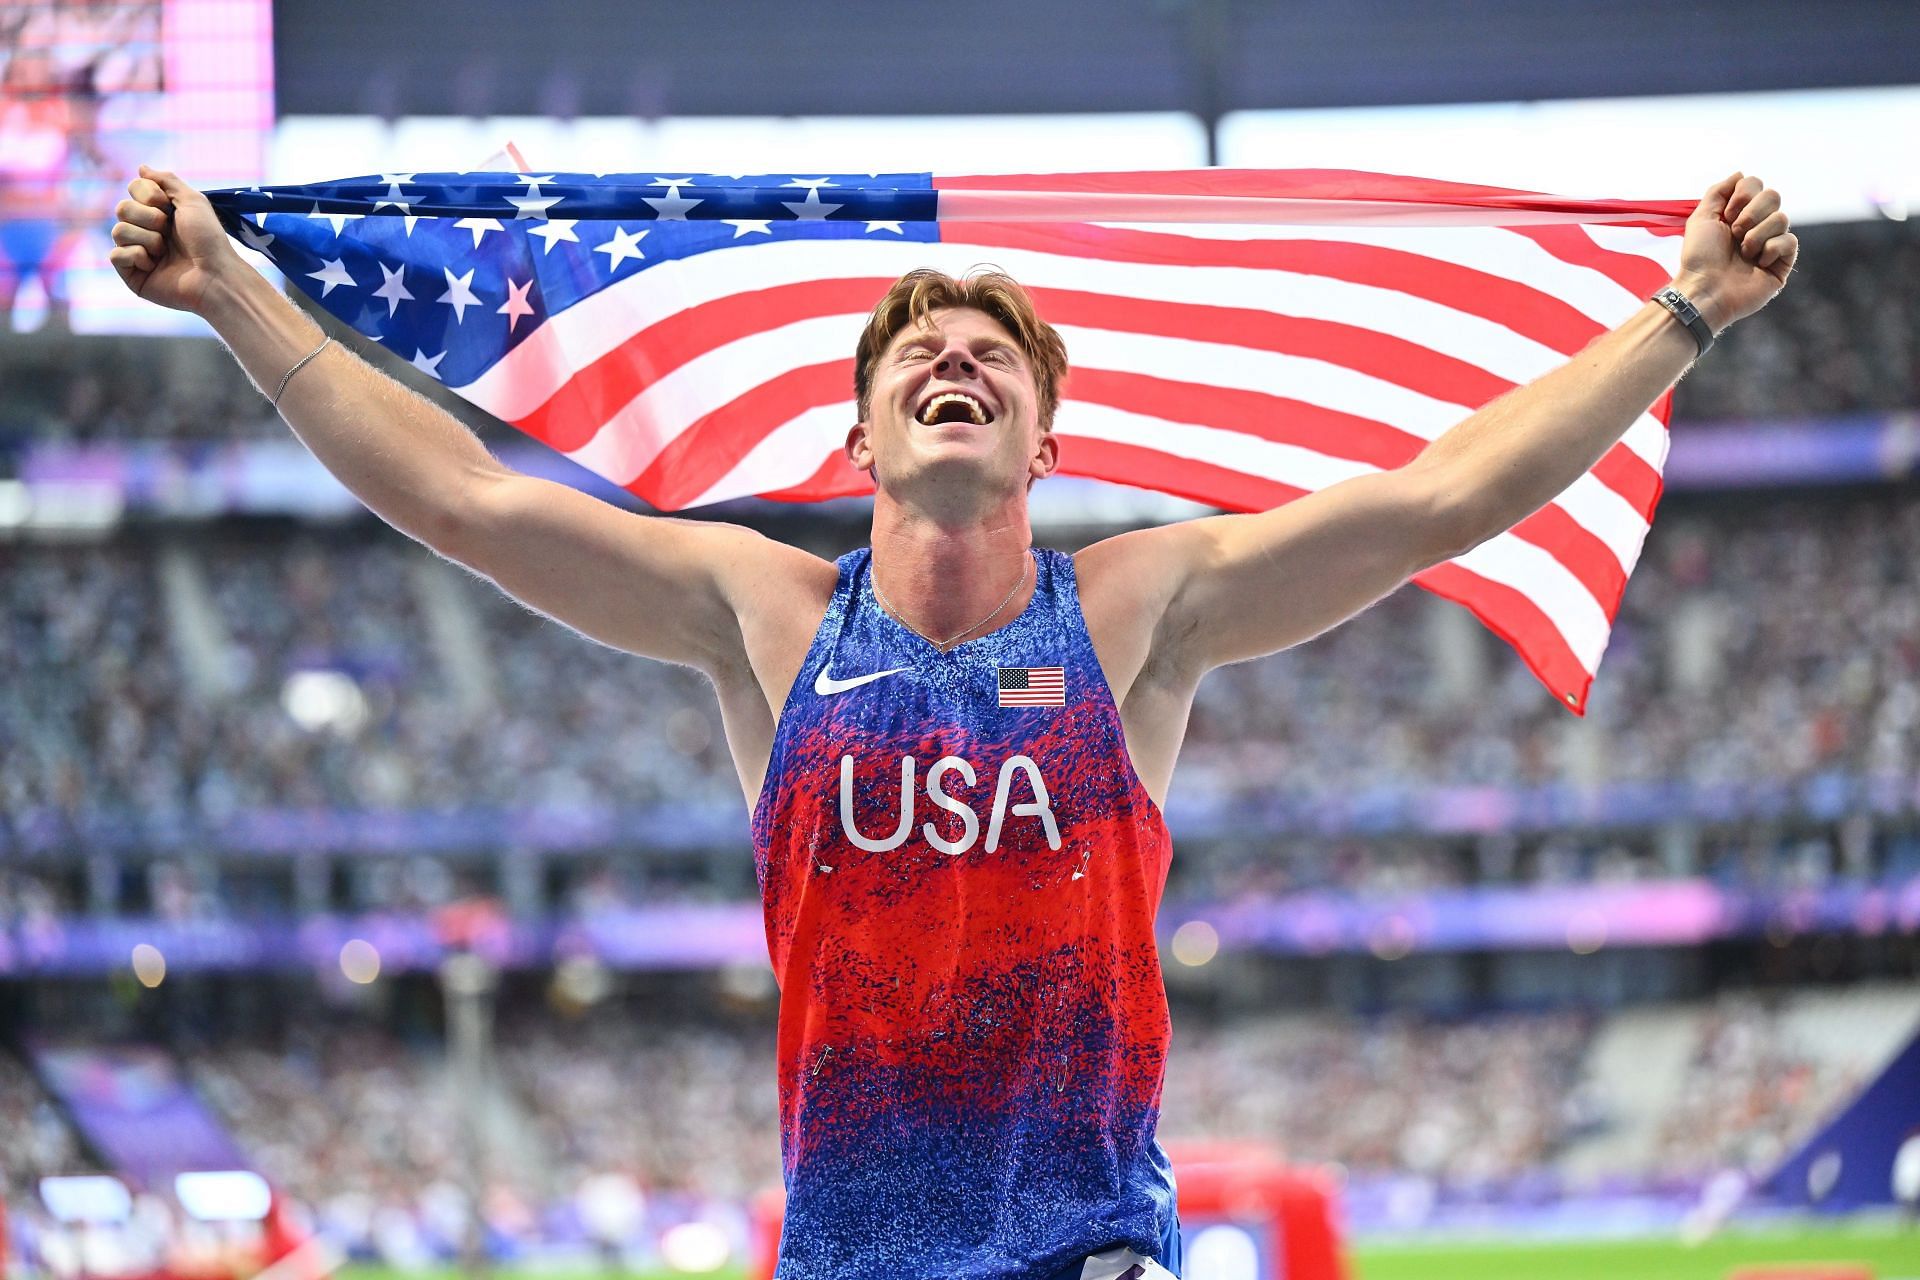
<point>1033,686</point>
<point>1238,337</point>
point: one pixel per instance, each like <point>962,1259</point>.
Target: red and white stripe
<point>1238,365</point>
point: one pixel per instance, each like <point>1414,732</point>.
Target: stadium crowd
<point>1462,1103</point>
<point>1749,1094</point>
<point>1807,612</point>
<point>36,1139</point>
<point>371,1131</point>
<point>1810,614</point>
<point>1845,338</point>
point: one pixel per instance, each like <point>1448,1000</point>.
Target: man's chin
<point>950,468</point>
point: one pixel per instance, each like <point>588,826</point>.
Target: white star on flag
<point>811,209</point>
<point>750,226</point>
<point>479,227</point>
<point>533,206</point>
<point>393,289</point>
<point>621,247</point>
<point>339,220</point>
<point>331,274</point>
<point>459,295</point>
<point>255,240</point>
<point>673,206</point>
<point>884,225</point>
<point>394,194</point>
<point>554,231</point>
<point>516,304</point>
<point>428,364</point>
<point>533,182</point>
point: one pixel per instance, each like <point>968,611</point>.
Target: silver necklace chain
<point>941,645</point>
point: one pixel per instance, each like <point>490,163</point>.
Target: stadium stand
<point>367,1127</point>
<point>1822,652</point>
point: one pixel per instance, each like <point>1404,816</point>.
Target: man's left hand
<point>1738,251</point>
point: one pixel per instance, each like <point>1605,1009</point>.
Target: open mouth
<point>953,406</point>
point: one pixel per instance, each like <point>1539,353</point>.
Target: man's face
<point>957,394</point>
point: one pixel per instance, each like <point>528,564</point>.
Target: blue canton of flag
<point>454,270</point>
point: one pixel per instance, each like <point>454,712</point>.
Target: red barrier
<point>1290,1210</point>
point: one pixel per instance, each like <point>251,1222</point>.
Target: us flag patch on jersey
<point>1033,686</point>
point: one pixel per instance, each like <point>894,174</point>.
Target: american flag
<point>1033,686</point>
<point>1238,337</point>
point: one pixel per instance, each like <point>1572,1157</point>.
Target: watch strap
<point>1686,313</point>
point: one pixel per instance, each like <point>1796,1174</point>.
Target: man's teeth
<point>932,409</point>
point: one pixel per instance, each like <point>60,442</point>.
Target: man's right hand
<point>169,246</point>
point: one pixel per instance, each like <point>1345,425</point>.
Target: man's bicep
<point>1256,584</point>
<point>651,585</point>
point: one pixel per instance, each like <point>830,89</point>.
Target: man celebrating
<point>953,744</point>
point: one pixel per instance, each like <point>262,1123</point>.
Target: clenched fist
<point>1738,252</point>
<point>169,246</point>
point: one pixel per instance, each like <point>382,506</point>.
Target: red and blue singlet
<point>959,900</point>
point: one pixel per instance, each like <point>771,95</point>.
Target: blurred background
<point>353,915</point>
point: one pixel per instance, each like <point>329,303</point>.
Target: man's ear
<point>1046,458</point>
<point>859,447</point>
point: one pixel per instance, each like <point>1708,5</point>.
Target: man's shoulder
<point>779,594</point>
<point>1141,568</point>
<point>762,572</point>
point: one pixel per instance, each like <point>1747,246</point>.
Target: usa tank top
<point>960,871</point>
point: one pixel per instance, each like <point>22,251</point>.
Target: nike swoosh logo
<point>825,685</point>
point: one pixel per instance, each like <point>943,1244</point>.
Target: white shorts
<point>1123,1263</point>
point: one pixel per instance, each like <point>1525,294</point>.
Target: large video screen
<point>89,89</point>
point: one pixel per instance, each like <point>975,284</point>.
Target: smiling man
<point>953,744</point>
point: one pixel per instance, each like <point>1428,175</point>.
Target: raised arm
<point>1232,587</point>
<point>669,589</point>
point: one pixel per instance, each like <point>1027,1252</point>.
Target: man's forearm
<point>403,456</point>
<point>1524,449</point>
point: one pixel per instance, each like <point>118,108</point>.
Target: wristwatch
<point>1688,314</point>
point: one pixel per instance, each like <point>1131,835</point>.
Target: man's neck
<point>942,574</point>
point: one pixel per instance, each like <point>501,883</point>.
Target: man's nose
<point>955,360</point>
